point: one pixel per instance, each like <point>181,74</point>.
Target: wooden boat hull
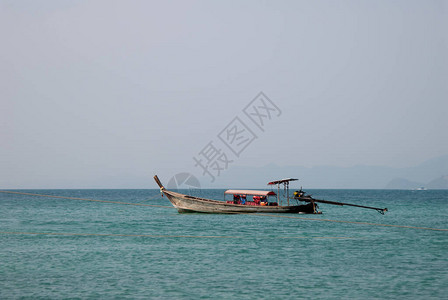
<point>185,203</point>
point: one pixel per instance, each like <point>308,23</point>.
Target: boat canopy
<point>250,192</point>
<point>282,181</point>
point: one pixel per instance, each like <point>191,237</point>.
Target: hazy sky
<point>107,93</point>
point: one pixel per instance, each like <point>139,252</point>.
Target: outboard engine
<point>299,194</point>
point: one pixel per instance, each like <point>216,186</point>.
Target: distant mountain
<point>356,177</point>
<point>403,184</point>
<point>439,183</point>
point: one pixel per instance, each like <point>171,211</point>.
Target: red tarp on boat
<point>250,192</point>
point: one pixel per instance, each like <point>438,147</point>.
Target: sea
<point>132,244</point>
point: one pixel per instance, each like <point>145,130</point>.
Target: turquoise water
<point>106,250</point>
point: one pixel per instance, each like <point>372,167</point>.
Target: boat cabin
<point>251,197</point>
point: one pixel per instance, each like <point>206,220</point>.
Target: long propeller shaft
<point>310,199</point>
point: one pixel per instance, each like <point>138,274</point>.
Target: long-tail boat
<point>252,201</point>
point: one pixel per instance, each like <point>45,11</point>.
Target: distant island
<point>431,174</point>
<point>438,183</point>
<point>404,184</point>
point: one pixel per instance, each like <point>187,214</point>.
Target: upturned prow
<point>158,182</point>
